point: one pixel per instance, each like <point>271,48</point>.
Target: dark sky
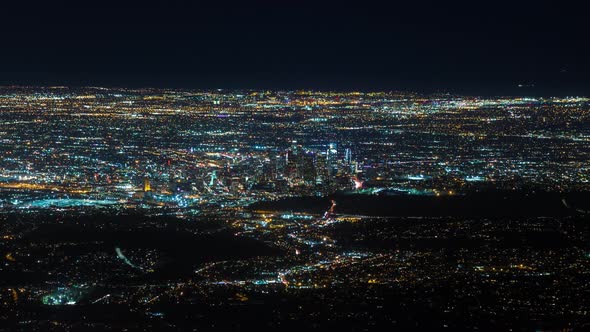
<point>486,47</point>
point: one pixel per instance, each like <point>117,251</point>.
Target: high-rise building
<point>331,158</point>
<point>322,168</point>
<point>347,156</point>
<point>306,167</point>
<point>333,148</point>
<point>213,178</point>
<point>293,161</point>
<point>146,185</point>
<point>281,165</point>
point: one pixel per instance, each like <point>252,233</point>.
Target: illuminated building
<point>146,185</point>
<point>331,157</point>
<point>347,156</point>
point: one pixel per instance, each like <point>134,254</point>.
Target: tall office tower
<point>347,156</point>
<point>266,172</point>
<point>306,167</point>
<point>293,161</point>
<point>321,168</point>
<point>331,158</point>
<point>213,179</point>
<point>281,165</point>
<point>146,185</point>
<point>333,147</point>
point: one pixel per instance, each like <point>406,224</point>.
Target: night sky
<point>483,47</point>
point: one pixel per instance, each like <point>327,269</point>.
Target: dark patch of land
<point>477,204</point>
<point>179,246</point>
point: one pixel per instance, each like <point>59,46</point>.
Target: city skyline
<point>177,209</point>
<point>230,147</point>
<point>179,165</point>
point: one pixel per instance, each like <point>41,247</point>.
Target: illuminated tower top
<point>146,185</point>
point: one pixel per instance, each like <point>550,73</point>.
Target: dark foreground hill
<point>486,204</point>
